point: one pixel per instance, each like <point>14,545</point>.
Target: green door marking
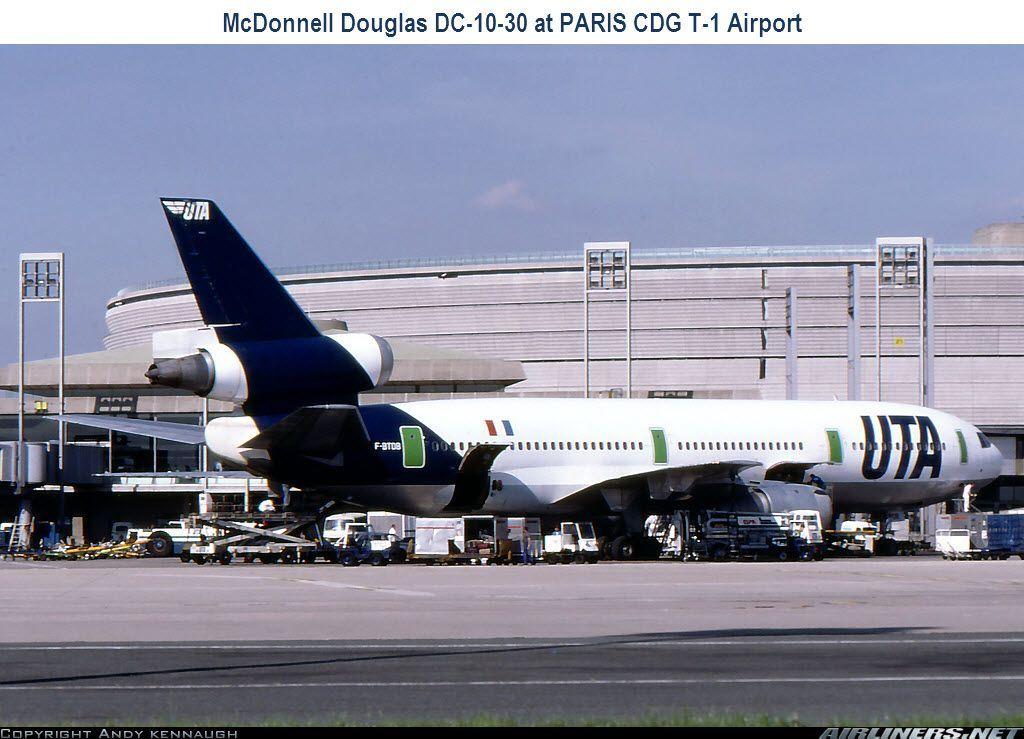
<point>413,449</point>
<point>660,447</point>
<point>835,446</point>
<point>963,446</point>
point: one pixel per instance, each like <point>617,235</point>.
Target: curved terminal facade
<point>706,322</point>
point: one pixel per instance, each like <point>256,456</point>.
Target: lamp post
<point>607,267</point>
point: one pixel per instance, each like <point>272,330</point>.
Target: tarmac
<point>161,641</point>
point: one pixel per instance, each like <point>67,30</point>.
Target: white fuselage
<point>559,446</point>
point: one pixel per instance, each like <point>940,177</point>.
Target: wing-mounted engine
<point>769,496</point>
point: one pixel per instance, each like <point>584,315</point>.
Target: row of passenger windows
<point>740,445</point>
<point>896,446</point>
<point>546,445</point>
<point>687,445</point>
<point>626,445</point>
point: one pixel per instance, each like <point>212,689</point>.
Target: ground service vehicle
<point>575,541</point>
<point>806,534</point>
<point>165,541</point>
<point>721,535</point>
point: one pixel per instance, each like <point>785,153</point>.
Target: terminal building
<point>699,323</point>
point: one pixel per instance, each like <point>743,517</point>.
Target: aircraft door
<point>963,446</point>
<point>835,446</point>
<point>414,451</point>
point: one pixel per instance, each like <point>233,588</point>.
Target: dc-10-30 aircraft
<point>301,426</point>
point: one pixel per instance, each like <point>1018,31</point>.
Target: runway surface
<point>853,639</point>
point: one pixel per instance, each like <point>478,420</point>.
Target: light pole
<point>607,267</point>
<point>40,280</point>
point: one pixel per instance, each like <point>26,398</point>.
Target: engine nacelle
<point>781,497</point>
<point>226,436</point>
<point>282,374</point>
<point>372,353</point>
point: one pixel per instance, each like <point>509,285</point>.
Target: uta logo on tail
<point>189,210</point>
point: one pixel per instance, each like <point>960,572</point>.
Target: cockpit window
<point>985,441</point>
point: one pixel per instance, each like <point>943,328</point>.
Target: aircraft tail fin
<point>235,291</point>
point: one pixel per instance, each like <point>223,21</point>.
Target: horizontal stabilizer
<point>315,431</point>
<point>181,432</point>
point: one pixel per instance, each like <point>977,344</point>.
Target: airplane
<point>301,426</point>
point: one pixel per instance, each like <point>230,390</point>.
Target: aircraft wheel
<point>623,548</point>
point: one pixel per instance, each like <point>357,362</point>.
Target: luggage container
<point>979,535</point>
<point>465,540</point>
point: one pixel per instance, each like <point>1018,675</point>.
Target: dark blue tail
<point>235,291</point>
<point>285,362</point>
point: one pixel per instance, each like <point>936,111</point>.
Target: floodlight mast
<point>607,266</point>
<point>40,280</point>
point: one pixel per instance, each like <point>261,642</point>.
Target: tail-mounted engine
<point>273,375</point>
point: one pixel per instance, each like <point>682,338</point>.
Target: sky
<point>335,154</point>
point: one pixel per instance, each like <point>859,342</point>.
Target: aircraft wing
<point>660,480</point>
<point>664,482</point>
<point>182,432</point>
